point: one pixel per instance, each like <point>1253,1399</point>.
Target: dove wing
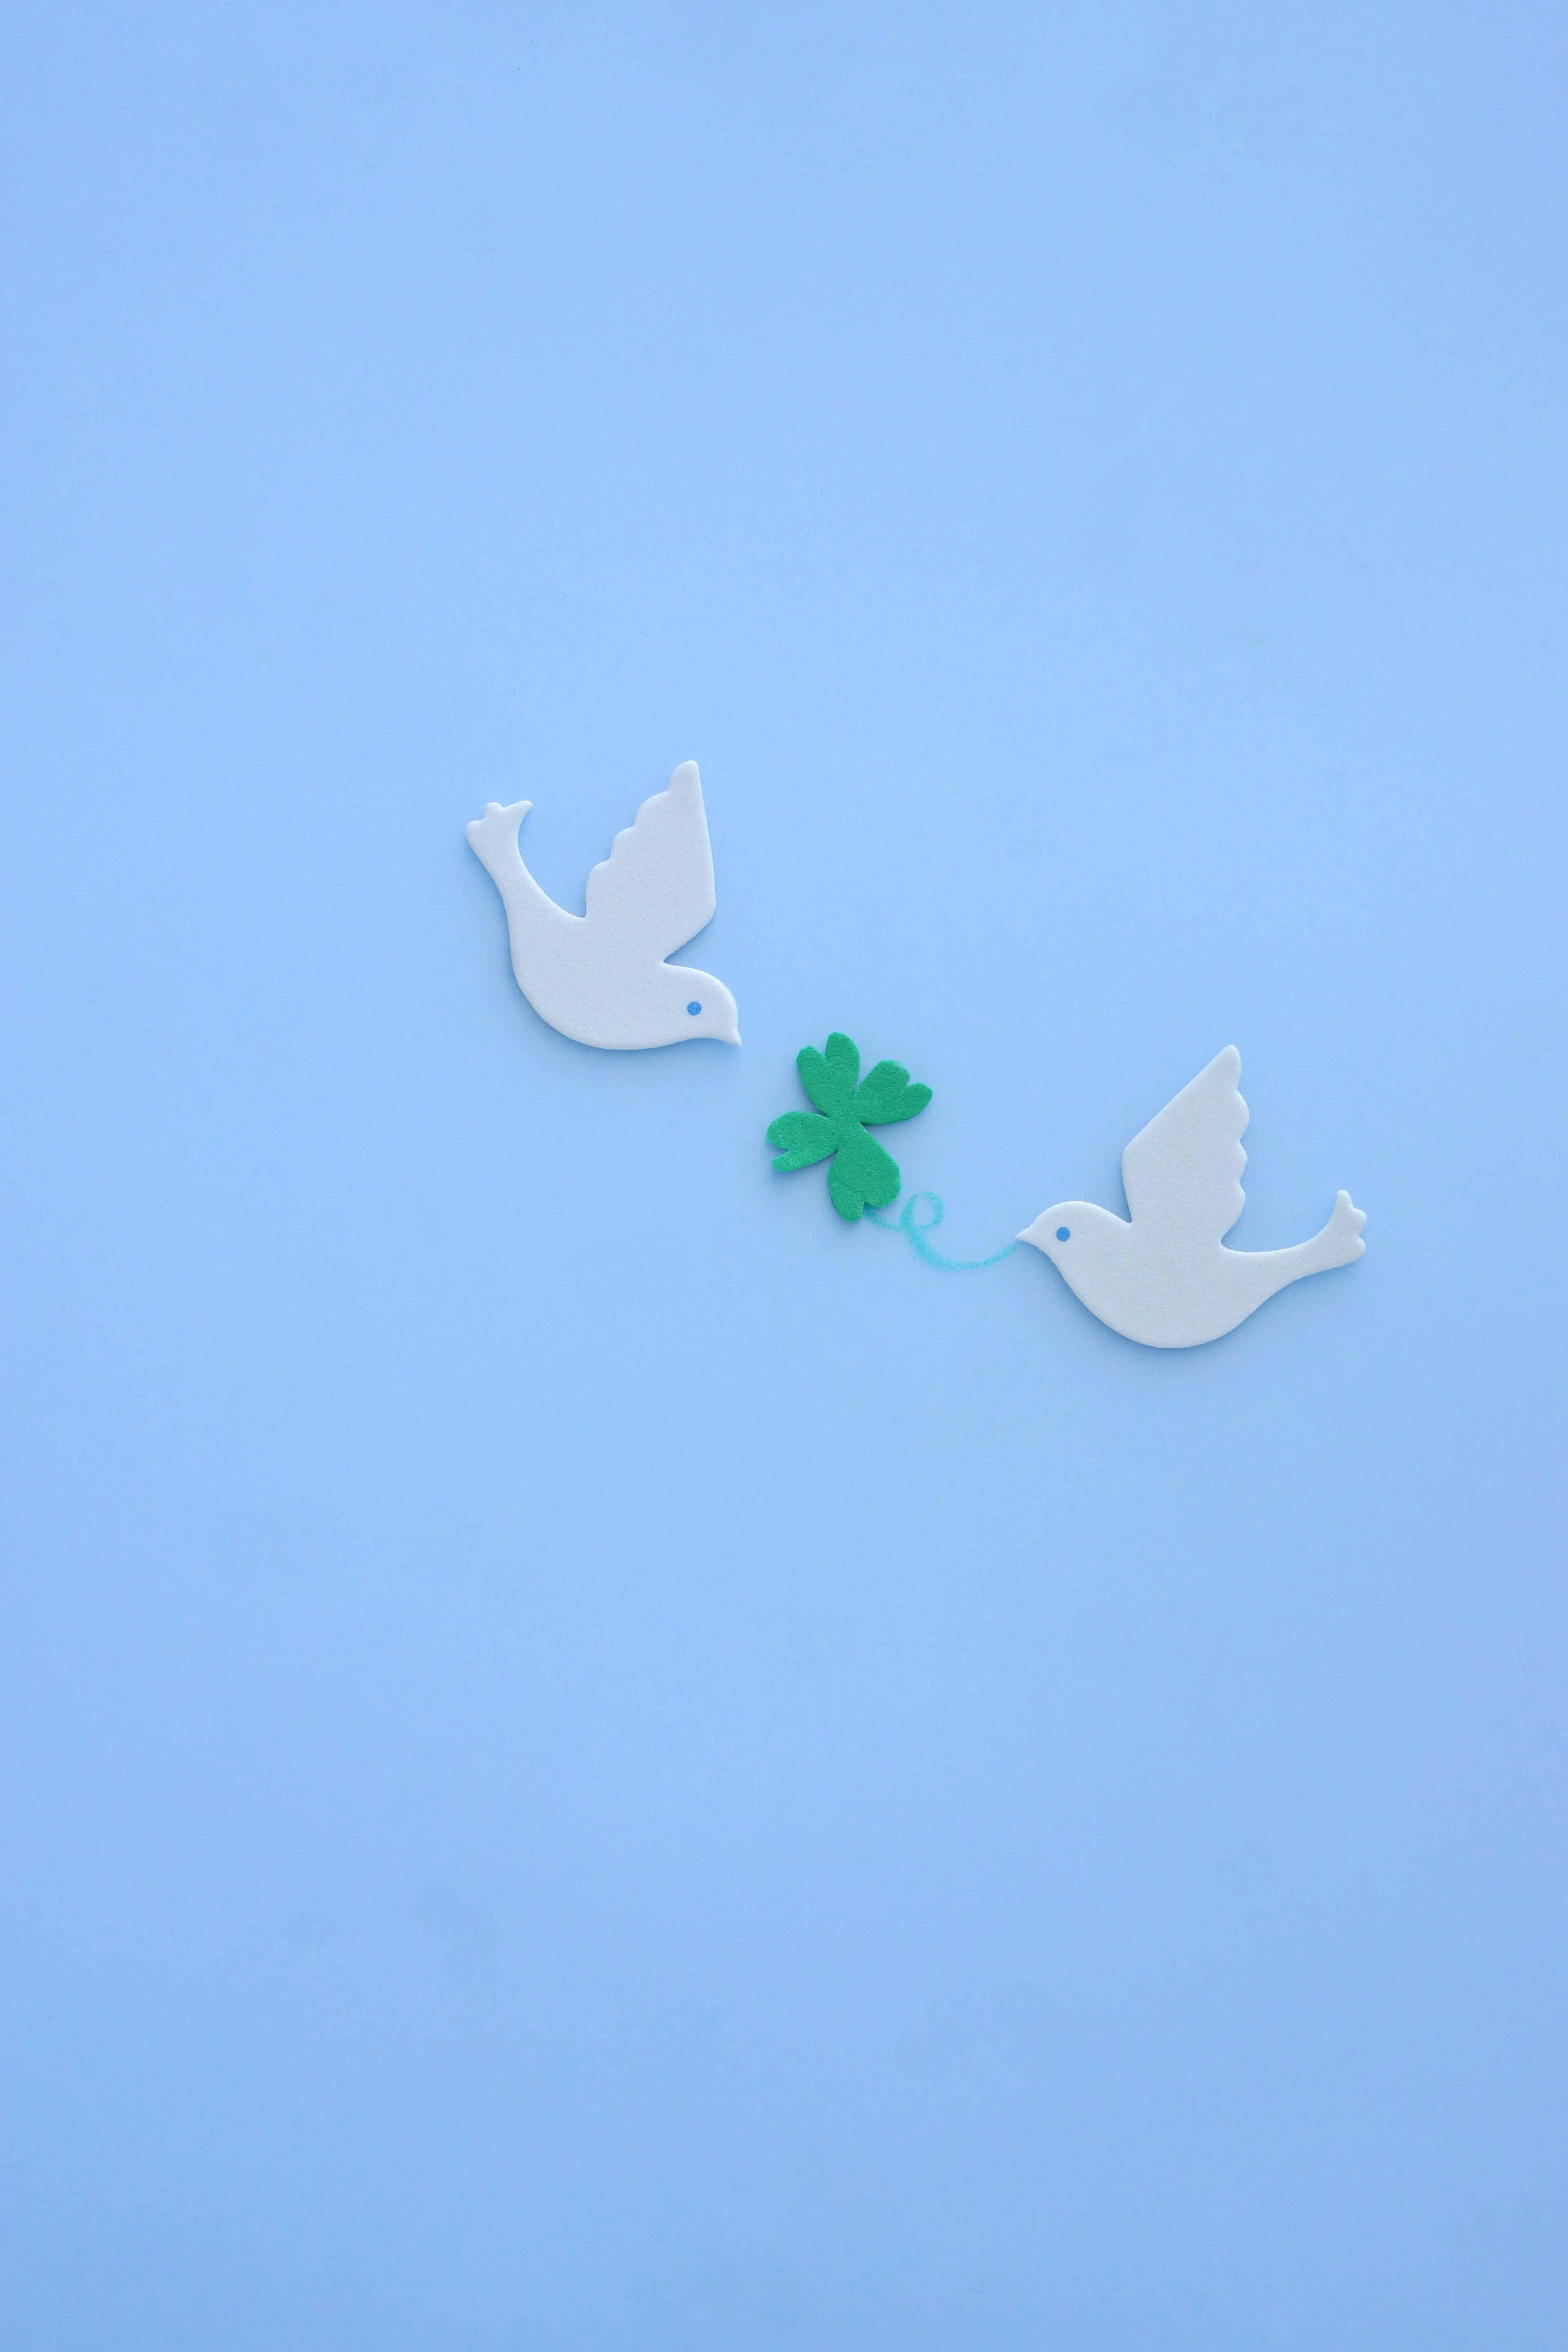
<point>1183,1171</point>
<point>656,887</point>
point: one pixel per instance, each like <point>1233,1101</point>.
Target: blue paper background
<point>596,1760</point>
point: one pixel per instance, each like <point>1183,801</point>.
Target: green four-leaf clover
<point>862,1175</point>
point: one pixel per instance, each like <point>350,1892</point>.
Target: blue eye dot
<point>694,1006</point>
<point>1064,1233</point>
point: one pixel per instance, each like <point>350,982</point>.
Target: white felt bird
<point>600,977</point>
<point>1167,1278</point>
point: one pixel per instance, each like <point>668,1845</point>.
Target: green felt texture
<point>862,1175</point>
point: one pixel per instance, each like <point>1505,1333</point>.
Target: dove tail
<point>1340,1237</point>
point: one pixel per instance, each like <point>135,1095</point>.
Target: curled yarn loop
<point>915,1228</point>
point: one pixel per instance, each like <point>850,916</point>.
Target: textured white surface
<point>1165,1277</point>
<point>600,977</point>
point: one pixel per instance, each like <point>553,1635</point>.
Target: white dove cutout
<point>1166,1278</point>
<point>600,977</point>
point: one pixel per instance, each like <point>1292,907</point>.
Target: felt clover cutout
<point>862,1175</point>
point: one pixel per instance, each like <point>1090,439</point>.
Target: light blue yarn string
<point>915,1229</point>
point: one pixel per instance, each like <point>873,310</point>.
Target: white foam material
<point>1164,1278</point>
<point>600,977</point>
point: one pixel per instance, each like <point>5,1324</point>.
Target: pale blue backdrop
<point>597,1762</point>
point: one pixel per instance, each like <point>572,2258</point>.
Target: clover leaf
<point>862,1175</point>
